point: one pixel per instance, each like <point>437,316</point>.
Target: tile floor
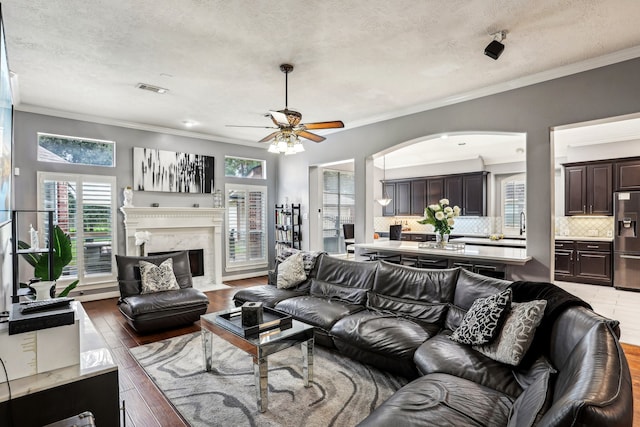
<point>623,306</point>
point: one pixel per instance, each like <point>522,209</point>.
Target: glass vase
<point>442,239</point>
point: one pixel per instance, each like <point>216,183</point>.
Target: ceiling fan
<point>285,139</point>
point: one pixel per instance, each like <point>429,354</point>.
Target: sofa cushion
<point>442,400</point>
<point>268,295</point>
<point>157,278</point>
<point>417,284</point>
<point>469,287</point>
<point>348,273</point>
<point>383,333</point>
<point>137,305</point>
<point>516,334</point>
<point>320,312</point>
<point>533,402</point>
<point>348,294</point>
<point>484,319</point>
<point>291,272</point>
<point>425,312</point>
<point>440,354</point>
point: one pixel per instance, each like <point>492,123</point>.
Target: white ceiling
<point>357,61</point>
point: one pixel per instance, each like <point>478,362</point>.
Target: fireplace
<point>196,260</point>
<point>175,229</point>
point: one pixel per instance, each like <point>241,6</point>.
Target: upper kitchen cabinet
<point>400,194</point>
<point>389,190</point>
<point>588,189</point>
<point>418,196</point>
<point>410,197</point>
<point>474,194</point>
<point>627,175</point>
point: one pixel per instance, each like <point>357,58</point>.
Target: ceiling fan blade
<point>270,136</point>
<point>243,126</point>
<point>309,135</point>
<point>324,125</point>
<point>279,118</point>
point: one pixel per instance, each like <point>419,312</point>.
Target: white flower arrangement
<point>441,216</point>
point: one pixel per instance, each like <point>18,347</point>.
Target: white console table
<point>91,385</point>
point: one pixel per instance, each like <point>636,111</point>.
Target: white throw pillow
<point>158,278</point>
<point>291,272</point>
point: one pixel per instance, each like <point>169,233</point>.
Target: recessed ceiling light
<point>188,123</point>
<point>462,143</point>
<point>444,136</point>
<point>151,88</point>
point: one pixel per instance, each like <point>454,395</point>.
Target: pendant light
<point>385,200</point>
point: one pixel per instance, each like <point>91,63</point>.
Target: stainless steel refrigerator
<point>626,241</point>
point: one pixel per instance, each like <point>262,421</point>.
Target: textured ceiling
<point>356,61</point>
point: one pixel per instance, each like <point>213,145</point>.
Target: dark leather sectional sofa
<point>398,319</point>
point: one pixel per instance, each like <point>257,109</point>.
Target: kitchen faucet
<point>523,225</point>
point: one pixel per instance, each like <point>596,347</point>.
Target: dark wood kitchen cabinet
<point>435,190</point>
<point>627,175</point>
<point>588,189</point>
<point>583,261</point>
<point>474,194</point>
<point>410,197</point>
<point>400,194</point>
<point>418,196</point>
<point>389,190</point>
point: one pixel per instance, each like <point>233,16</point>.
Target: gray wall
<point>604,92</point>
<point>27,125</point>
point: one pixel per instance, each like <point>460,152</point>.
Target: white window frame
<point>76,138</point>
<point>262,161</point>
<point>94,280</point>
<point>231,265</point>
<point>521,177</point>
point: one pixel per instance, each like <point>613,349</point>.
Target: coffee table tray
<point>271,319</point>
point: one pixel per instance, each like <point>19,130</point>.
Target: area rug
<point>343,391</point>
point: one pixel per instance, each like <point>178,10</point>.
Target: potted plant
<point>62,255</point>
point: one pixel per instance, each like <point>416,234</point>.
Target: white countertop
<point>500,254</point>
<point>586,239</point>
<point>95,359</point>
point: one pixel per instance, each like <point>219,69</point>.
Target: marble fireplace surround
<point>180,228</point>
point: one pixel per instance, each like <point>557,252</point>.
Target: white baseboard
<point>245,275</point>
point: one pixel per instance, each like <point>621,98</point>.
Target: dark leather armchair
<point>159,310</point>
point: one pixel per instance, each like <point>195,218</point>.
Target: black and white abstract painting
<point>159,170</point>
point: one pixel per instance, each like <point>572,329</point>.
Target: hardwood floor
<point>146,406</point>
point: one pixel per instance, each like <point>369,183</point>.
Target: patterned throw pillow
<point>291,272</point>
<point>158,278</point>
<point>482,322</point>
<point>517,333</point>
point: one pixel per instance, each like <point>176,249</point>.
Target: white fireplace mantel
<point>179,228</point>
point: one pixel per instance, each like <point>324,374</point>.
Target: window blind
<point>246,225</point>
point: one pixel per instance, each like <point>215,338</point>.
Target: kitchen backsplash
<point>565,225</point>
<point>584,226</point>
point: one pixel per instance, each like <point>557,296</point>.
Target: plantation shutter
<point>514,203</point>
<point>84,207</point>
<point>246,226</point>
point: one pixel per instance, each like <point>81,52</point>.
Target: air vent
<point>152,88</point>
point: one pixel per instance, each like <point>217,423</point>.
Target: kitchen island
<point>495,261</point>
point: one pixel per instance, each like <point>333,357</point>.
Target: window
<point>513,203</point>
<point>246,226</point>
<point>239,167</point>
<point>84,207</point>
<point>338,202</point>
<point>82,151</point>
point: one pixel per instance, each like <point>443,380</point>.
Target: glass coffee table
<point>259,346</point>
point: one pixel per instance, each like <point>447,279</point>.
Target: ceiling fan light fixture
<point>273,148</point>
